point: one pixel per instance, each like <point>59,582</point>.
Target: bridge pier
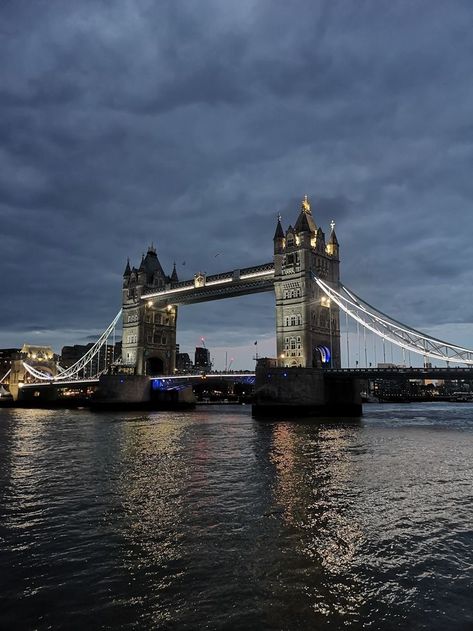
<point>304,392</point>
<point>135,392</point>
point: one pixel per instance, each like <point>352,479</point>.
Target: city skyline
<point>223,117</point>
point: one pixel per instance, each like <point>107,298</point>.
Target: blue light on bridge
<point>182,381</point>
<point>161,384</point>
<point>325,354</point>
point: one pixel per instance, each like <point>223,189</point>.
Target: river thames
<point>211,520</point>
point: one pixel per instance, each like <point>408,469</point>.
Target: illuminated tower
<point>149,328</point>
<point>307,323</point>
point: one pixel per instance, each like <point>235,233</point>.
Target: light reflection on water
<point>213,520</point>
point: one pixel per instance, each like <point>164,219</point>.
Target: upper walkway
<point>202,288</point>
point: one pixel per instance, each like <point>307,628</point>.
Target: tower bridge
<point>307,326</point>
<point>309,299</point>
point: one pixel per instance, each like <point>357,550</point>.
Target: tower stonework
<point>149,328</point>
<point>307,323</point>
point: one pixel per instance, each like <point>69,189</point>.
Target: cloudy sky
<point>191,124</point>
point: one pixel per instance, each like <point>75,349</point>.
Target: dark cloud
<point>193,124</point>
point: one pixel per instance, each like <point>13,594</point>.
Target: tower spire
<point>305,222</point>
<point>127,271</point>
<point>305,206</point>
<point>279,234</point>
<point>174,278</point>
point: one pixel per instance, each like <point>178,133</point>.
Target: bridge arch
<point>154,365</point>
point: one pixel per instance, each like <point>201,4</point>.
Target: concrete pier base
<point>304,392</point>
<point>134,392</point>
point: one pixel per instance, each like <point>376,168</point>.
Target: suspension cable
<point>393,331</point>
<point>82,363</point>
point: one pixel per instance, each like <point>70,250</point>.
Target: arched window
<point>293,343</point>
<point>293,320</point>
<point>299,318</point>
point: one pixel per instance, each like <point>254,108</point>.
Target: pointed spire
<point>305,222</point>
<point>174,278</point>
<point>279,234</point>
<point>333,237</point>
<point>127,271</point>
<point>305,206</point>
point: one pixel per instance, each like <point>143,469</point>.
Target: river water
<point>211,520</point>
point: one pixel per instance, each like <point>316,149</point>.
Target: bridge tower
<point>149,328</point>
<point>307,323</point>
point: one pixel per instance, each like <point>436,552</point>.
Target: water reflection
<point>148,512</point>
<point>313,470</point>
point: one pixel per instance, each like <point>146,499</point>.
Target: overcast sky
<point>192,124</point>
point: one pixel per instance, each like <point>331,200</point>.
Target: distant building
<point>107,355</point>
<point>183,362</point>
<point>202,358</point>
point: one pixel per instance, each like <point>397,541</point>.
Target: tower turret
<point>333,245</point>
<point>174,278</point>
<point>127,274</point>
<point>320,240</point>
<point>278,237</point>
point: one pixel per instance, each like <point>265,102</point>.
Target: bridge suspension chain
<point>74,370</point>
<point>393,331</point>
<point>5,375</point>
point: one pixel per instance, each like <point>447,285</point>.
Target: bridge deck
<point>403,373</point>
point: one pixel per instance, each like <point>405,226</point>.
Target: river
<point>211,520</point>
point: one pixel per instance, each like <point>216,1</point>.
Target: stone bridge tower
<point>149,328</point>
<point>307,323</point>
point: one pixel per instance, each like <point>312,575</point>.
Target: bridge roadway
<point>168,381</point>
<point>405,372</point>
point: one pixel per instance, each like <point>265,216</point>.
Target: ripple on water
<point>212,520</point>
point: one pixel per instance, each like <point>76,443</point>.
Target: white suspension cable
<point>81,364</point>
<point>392,331</point>
<point>5,375</point>
<point>37,374</point>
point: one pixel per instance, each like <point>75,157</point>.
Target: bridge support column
<point>304,392</point>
